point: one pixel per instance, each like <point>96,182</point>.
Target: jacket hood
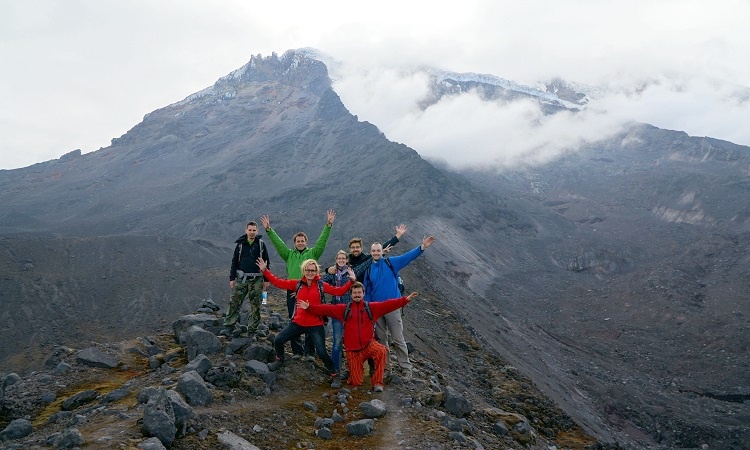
<point>243,238</point>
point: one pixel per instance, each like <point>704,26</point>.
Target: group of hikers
<point>365,300</point>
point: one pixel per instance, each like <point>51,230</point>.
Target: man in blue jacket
<point>381,283</point>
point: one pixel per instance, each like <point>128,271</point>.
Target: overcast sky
<point>75,74</point>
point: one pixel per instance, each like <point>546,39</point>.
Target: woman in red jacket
<point>304,322</point>
<point>359,335</point>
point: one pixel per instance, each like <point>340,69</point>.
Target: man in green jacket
<point>294,257</point>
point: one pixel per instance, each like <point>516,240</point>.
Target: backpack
<point>322,297</point>
<point>399,280</point>
<point>348,312</point>
<point>320,289</point>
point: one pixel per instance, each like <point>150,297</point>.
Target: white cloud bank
<point>467,132</point>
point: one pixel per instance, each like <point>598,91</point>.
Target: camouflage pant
<point>250,289</point>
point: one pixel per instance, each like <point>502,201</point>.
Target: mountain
<point>615,277</point>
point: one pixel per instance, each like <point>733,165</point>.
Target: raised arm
<point>277,242</point>
<point>320,244</point>
<point>400,230</point>
<point>380,309</point>
<point>426,242</point>
<point>273,279</point>
<point>335,311</point>
<point>359,272</point>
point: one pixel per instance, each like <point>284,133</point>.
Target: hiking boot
<point>310,358</point>
<point>227,332</point>
<point>276,365</point>
<point>336,382</point>
<point>296,356</point>
<point>377,388</point>
<point>242,329</point>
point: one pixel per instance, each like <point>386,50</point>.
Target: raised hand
<point>387,249</point>
<point>331,217</point>
<point>262,265</point>
<point>400,230</point>
<point>411,296</point>
<point>265,221</point>
<point>303,304</point>
<point>427,241</point>
<point>352,276</point>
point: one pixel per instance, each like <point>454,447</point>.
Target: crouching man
<point>359,319</point>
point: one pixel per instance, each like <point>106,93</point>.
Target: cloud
<point>77,74</point>
<point>466,131</point>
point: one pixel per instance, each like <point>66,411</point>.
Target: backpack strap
<point>348,312</point>
<point>390,266</point>
<point>320,289</point>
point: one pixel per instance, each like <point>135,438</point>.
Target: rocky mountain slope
<point>615,278</point>
<point>218,393</point>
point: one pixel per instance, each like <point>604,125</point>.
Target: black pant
<point>316,335</point>
<point>296,341</point>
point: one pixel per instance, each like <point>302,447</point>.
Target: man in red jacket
<point>359,335</point>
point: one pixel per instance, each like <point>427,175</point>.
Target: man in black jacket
<point>246,281</point>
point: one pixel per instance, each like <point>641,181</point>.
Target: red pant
<point>375,350</point>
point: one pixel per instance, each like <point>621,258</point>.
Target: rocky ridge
<point>191,389</point>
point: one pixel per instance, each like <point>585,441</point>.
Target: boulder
<point>260,352</point>
<point>182,324</point>
<point>146,393</point>
<point>79,399</point>
<point>182,411</point>
<point>69,438</point>
<point>373,409</point>
<point>324,433</point>
<point>323,423</point>
<point>224,376</point>
<point>152,444</point>
<point>94,357</point>
<point>194,389</point>
<point>62,368</point>
<point>16,429</point>
<point>158,418</point>
<point>57,356</point>
<point>456,404</point>
<point>361,427</point>
<point>199,341</point>
<point>233,442</point>
<point>200,364</point>
<point>256,367</point>
<point>11,379</point>
<point>117,394</point>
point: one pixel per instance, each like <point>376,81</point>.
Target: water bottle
<point>264,296</point>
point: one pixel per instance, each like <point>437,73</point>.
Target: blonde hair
<point>306,263</point>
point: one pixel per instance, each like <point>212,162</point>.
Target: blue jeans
<point>338,335</point>
<point>315,334</point>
